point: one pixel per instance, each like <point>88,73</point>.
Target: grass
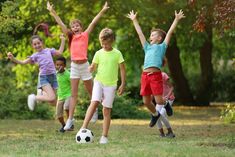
<point>199,133</point>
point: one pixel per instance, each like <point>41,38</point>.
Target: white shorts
<point>103,94</point>
<point>80,71</point>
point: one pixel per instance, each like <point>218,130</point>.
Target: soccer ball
<point>84,136</point>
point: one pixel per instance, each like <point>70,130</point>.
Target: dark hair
<point>161,32</point>
<point>35,37</point>
<point>106,34</point>
<point>61,58</point>
<point>44,27</point>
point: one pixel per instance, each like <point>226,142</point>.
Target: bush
<point>13,102</point>
<point>228,114</point>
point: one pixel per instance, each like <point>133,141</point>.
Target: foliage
<point>228,114</point>
<point>13,102</point>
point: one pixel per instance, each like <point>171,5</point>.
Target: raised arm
<point>133,16</point>
<point>61,49</point>
<point>57,18</point>
<point>123,78</point>
<point>97,18</point>
<point>13,59</point>
<point>178,17</point>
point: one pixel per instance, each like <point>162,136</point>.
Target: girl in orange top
<point>78,45</point>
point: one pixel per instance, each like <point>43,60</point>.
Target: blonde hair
<point>106,34</point>
<point>160,32</point>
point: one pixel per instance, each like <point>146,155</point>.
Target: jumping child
<point>47,72</point>
<point>151,79</point>
<point>78,45</point>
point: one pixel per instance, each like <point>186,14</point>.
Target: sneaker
<point>31,101</point>
<point>62,129</point>
<point>154,120</point>
<point>68,124</point>
<point>103,140</point>
<point>169,110</point>
<point>95,116</point>
<point>71,128</point>
<point>170,135</point>
<point>162,135</point>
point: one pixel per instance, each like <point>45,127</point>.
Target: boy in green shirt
<point>107,61</point>
<point>63,92</point>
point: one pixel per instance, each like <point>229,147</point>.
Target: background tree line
<point>199,55</point>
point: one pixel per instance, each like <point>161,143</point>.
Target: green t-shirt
<point>64,87</point>
<point>108,64</point>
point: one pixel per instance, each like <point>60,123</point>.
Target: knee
<point>106,112</point>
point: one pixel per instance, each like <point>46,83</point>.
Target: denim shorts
<point>44,80</point>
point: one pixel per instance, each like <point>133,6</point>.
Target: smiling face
<point>76,27</point>
<point>37,44</point>
<point>60,65</point>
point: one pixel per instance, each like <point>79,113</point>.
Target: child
<point>168,95</point>
<point>63,92</point>
<point>47,72</point>
<point>108,59</point>
<point>151,79</point>
<point>78,45</point>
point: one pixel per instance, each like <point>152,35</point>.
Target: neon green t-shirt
<point>108,65</point>
<point>64,87</point>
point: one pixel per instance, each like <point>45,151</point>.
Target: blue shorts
<point>44,80</point>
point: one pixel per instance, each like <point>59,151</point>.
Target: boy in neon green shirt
<point>108,60</point>
<point>63,92</point>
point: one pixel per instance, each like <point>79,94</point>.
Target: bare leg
<point>88,85</point>
<point>148,103</point>
<point>107,120</point>
<point>48,94</point>
<point>73,102</point>
<point>89,113</point>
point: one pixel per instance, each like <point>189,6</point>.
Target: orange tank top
<point>79,46</point>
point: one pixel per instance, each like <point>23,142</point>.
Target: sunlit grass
<point>199,133</point>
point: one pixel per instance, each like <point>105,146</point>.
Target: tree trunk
<point>183,93</point>
<point>205,86</point>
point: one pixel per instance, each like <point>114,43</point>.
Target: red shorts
<point>151,83</point>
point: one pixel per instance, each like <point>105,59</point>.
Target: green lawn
<point>199,133</point>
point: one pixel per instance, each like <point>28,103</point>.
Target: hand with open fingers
<point>50,7</point>
<point>105,7</point>
<point>10,55</point>
<point>132,15</point>
<point>179,15</point>
<point>62,37</point>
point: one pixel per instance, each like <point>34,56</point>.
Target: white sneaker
<point>31,101</point>
<point>95,116</point>
<point>68,124</point>
<point>103,140</point>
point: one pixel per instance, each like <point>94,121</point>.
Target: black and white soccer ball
<point>84,136</point>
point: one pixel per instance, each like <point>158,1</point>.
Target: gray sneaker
<point>162,135</point>
<point>170,135</point>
